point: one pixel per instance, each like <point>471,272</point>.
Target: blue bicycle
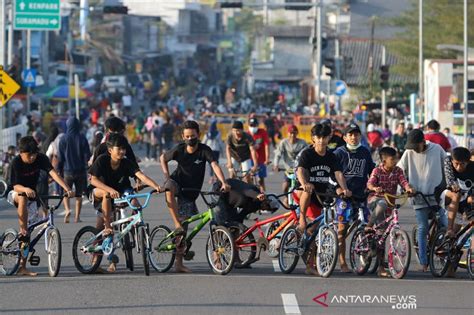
<point>13,249</point>
<point>90,245</point>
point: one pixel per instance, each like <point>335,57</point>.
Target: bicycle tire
<point>374,266</point>
<point>289,244</point>
<point>144,247</point>
<point>95,259</point>
<point>327,250</point>
<point>274,243</point>
<point>470,258</point>
<point>54,251</point>
<point>393,255</point>
<point>440,255</point>
<point>246,254</point>
<point>168,252</point>
<point>414,237</point>
<point>127,249</point>
<point>10,250</point>
<point>224,249</point>
<point>360,252</point>
<point>3,188</point>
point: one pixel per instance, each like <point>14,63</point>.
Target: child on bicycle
<point>357,165</point>
<point>316,167</point>
<point>384,179</point>
<point>191,157</point>
<point>110,175</point>
<point>25,169</point>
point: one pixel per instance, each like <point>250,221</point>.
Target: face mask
<point>253,129</point>
<point>192,142</point>
<point>353,147</point>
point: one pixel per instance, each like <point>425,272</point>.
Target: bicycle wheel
<point>374,265</point>
<point>288,253</point>
<point>144,247</point>
<point>127,250</point>
<point>10,252</point>
<point>85,261</point>
<point>163,249</point>
<point>246,255</point>
<point>220,256</point>
<point>360,252</point>
<point>3,188</point>
<point>439,256</point>
<point>54,251</point>
<point>399,253</point>
<point>470,258</point>
<point>327,251</point>
<point>274,243</point>
<point>414,237</point>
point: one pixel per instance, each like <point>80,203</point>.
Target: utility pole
<point>28,66</point>
<point>422,108</point>
<point>384,100</point>
<point>3,16</point>
<point>465,79</point>
<point>10,34</point>
<point>317,53</point>
<point>371,54</point>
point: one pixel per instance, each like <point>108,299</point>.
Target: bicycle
<point>434,226</point>
<point>293,245</point>
<point>219,244</point>
<point>364,245</point>
<point>13,250</point>
<point>246,239</point>
<point>90,245</point>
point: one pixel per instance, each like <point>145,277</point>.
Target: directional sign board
<point>29,77</point>
<point>341,88</point>
<point>37,15</point>
<point>8,87</point>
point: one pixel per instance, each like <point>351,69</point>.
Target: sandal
<point>383,274</point>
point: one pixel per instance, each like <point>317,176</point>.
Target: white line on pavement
<point>276,265</point>
<point>290,303</point>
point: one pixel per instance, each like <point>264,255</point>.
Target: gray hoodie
<point>424,171</point>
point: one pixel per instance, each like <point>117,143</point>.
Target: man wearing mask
<point>262,142</point>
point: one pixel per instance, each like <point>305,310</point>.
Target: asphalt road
<point>260,290</point>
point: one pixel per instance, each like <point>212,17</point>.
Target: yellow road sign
<point>8,87</point>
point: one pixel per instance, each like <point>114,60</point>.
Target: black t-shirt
<point>240,149</point>
<point>335,142</point>
<point>102,149</point>
<point>320,168</point>
<point>468,174</point>
<point>27,174</point>
<point>118,179</point>
<point>191,167</point>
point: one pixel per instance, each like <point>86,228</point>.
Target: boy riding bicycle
<point>110,175</point>
<point>25,169</point>
<point>384,179</point>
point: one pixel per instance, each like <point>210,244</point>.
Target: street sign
<point>37,15</point>
<point>29,77</point>
<point>341,88</point>
<point>8,87</point>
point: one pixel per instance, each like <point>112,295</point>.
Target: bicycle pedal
<point>34,260</point>
<point>189,255</point>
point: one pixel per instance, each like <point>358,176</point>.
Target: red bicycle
<point>247,245</point>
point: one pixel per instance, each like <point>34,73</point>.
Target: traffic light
<point>115,10</point>
<point>288,5</point>
<point>384,75</point>
<point>329,67</point>
<point>231,5</point>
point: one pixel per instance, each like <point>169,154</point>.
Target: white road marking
<point>290,303</point>
<point>276,265</point>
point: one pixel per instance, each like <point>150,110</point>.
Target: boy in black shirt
<point>25,169</point>
<point>191,157</point>
<point>316,166</point>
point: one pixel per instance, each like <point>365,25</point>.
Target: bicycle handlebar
<point>128,198</point>
<point>41,199</point>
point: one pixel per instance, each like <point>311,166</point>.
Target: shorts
<point>31,207</point>
<point>244,165</point>
<point>78,180</point>
<point>98,203</point>
<point>345,211</point>
<point>373,203</point>
<point>186,208</point>
<point>262,171</point>
<point>314,209</point>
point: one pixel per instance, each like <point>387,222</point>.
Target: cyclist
<point>191,157</point>
<point>385,178</point>
<point>457,167</point>
<point>287,151</point>
<point>422,163</point>
<point>316,167</point>
<point>110,175</point>
<point>356,162</point>
<point>24,173</point>
<point>335,141</point>
<point>261,144</point>
<point>240,150</point>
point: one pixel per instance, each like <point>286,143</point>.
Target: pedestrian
<point>452,141</point>
<point>435,136</point>
<point>213,140</point>
<point>167,131</point>
<point>399,139</point>
<point>74,152</point>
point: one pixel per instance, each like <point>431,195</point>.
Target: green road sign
<point>37,15</point>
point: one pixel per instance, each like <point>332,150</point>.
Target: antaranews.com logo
<point>397,302</point>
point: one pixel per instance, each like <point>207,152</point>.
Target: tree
<point>251,25</point>
<point>442,24</point>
